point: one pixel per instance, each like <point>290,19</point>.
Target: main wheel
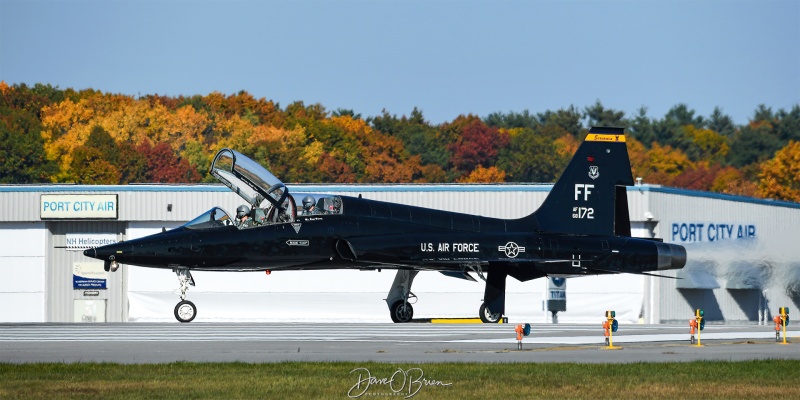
<point>185,311</point>
<point>487,316</point>
<point>401,311</point>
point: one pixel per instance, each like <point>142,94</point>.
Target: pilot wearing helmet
<point>308,206</point>
<point>242,217</point>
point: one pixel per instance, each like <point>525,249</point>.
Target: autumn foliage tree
<point>86,136</point>
<point>476,144</point>
<point>484,175</point>
<point>164,166</point>
<point>780,176</point>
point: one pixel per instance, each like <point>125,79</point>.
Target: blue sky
<point>445,57</point>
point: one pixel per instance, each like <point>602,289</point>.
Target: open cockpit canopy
<point>268,198</point>
<point>248,179</point>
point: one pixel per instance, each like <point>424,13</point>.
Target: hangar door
<point>78,289</point>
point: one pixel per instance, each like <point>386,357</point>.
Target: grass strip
<point>334,380</point>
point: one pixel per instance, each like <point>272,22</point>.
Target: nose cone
<point>90,252</point>
<point>106,252</point>
<point>671,256</point>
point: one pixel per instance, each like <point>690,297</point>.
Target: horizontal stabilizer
<point>631,272</point>
<point>460,275</point>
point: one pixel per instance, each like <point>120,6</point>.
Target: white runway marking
<point>390,333</point>
<point>619,339</point>
<point>381,342</point>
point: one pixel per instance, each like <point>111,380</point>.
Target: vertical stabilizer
<point>590,196</point>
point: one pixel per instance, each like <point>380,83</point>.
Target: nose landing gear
<point>185,310</point>
<point>400,309</point>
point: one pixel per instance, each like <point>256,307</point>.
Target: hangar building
<point>743,259</point>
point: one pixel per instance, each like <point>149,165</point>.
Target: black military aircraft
<point>582,228</point>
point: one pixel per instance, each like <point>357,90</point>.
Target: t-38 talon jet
<point>582,228</point>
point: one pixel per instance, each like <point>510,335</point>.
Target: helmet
<point>242,211</point>
<point>308,202</point>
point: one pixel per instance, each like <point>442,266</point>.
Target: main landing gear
<point>487,316</point>
<point>185,310</point>
<point>399,308</point>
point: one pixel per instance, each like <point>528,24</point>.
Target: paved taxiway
<point>406,343</point>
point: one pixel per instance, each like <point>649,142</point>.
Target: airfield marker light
<point>268,272</point>
<point>610,326</point>
<point>522,330</point>
<point>778,323</point>
<point>701,323</point>
<point>784,311</point>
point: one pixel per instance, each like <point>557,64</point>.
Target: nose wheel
<point>185,310</point>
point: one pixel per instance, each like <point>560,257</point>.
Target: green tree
<point>100,160</point>
<point>721,123</point>
<point>418,136</point>
<point>200,158</point>
<point>597,115</point>
<point>641,128</point>
<point>88,166</point>
<point>341,112</point>
<point>753,143</point>
<point>386,123</point>
<point>298,113</point>
<point>668,131</point>
<point>531,157</point>
<point>567,119</point>
<point>682,115</point>
<point>787,124</point>
<point>132,164</point>
<point>22,157</point>
<point>512,120</point>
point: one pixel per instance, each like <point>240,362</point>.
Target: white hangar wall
<point>36,271</point>
<point>743,258</point>
<point>22,266</point>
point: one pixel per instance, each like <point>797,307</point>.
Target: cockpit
<point>267,199</point>
<point>213,218</point>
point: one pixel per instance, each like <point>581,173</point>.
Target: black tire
<point>487,316</point>
<point>185,311</point>
<point>401,312</point>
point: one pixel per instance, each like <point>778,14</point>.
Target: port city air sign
<point>79,206</point>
